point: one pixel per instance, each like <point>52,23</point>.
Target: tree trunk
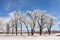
<point>12,30</point>
<point>16,29</point>
<point>21,30</point>
<point>32,29</point>
<point>32,32</point>
<point>49,31</point>
<point>40,30</point>
<point>27,30</point>
<point>7,29</point>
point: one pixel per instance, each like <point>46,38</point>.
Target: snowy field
<point>25,37</point>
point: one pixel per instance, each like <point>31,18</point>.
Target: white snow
<point>25,37</point>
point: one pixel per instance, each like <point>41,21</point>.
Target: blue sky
<point>51,6</point>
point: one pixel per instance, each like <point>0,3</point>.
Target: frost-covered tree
<point>51,22</point>
<point>20,21</point>
<point>33,15</point>
<point>41,20</point>
<point>12,25</point>
<point>27,22</point>
<point>24,19</point>
<point>14,17</point>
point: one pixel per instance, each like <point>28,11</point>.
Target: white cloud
<point>12,13</point>
<point>8,6</point>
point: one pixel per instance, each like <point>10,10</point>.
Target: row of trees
<point>30,19</point>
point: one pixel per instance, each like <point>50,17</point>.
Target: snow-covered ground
<point>25,37</point>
